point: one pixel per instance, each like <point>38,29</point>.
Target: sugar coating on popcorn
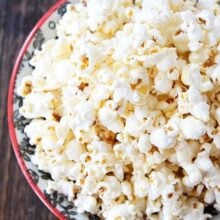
<point>125,108</point>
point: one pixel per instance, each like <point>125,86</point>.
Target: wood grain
<point>17,200</point>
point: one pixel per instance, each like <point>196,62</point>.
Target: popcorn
<point>194,95</point>
<point>160,139</point>
<point>212,178</point>
<point>181,42</point>
<point>171,210</point>
<point>144,144</point>
<point>183,103</point>
<point>89,186</point>
<point>156,34</point>
<point>216,140</point>
<point>63,186</point>
<point>185,153</point>
<point>37,105</point>
<point>162,83</point>
<point>124,108</point>
<point>126,188</point>
<point>26,86</point>
<point>83,116</point>
<point>35,130</point>
<point>217,198</point>
<point>133,126</point>
<point>206,4</point>
<point>122,211</point>
<point>156,13</point>
<point>110,188</point>
<point>97,13</point>
<point>140,35</point>
<point>85,56</point>
<point>192,128</point>
<point>167,63</point>
<point>213,72</point>
<point>195,36</point>
<point>64,71</point>
<point>141,187</point>
<point>173,75</point>
<point>153,206</point>
<point>209,196</point>
<point>101,93</point>
<point>206,17</point>
<point>193,102</point>
<point>172,127</point>
<point>73,24</point>
<point>110,120</point>
<point>161,182</point>
<point>197,213</point>
<point>194,175</point>
<point>201,111</point>
<point>74,150</point>
<point>89,206</point>
<point>191,75</point>
<point>203,162</point>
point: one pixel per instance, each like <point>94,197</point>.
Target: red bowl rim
<point>12,132</point>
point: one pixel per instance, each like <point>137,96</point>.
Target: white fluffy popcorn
<point>74,150</point>
<point>124,108</point>
<point>160,139</point>
<point>121,211</point>
<point>162,83</point>
<point>86,203</point>
<point>37,105</point>
<point>110,188</point>
<point>62,186</point>
<point>144,144</point>
<point>192,128</point>
<point>110,119</point>
<point>83,116</point>
<point>194,175</point>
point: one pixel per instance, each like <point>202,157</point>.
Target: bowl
<point>37,179</point>
<point>58,204</point>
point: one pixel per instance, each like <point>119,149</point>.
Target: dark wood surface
<point>17,200</point>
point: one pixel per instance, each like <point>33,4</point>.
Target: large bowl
<point>43,31</point>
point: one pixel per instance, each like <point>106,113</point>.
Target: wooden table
<point>17,200</point>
